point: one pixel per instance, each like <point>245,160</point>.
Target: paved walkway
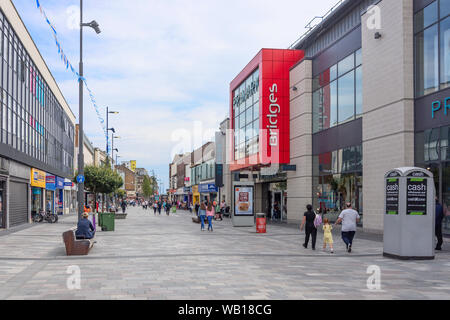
<point>168,257</point>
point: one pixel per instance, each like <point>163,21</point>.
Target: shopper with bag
<point>309,219</point>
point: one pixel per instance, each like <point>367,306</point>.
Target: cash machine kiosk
<point>409,214</point>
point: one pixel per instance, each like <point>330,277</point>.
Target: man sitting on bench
<point>85,229</point>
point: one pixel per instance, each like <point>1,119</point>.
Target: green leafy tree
<point>101,180</point>
<point>147,187</point>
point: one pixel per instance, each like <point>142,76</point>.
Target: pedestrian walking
<point>349,218</point>
<point>327,236</point>
<point>197,208</point>
<point>202,215</point>
<point>155,207</point>
<point>210,212</point>
<point>438,224</point>
<point>124,206</point>
<point>217,211</point>
<point>168,208</point>
<point>310,231</point>
<point>159,207</point>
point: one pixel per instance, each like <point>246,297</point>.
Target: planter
<point>121,216</point>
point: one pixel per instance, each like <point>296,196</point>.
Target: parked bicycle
<point>47,216</point>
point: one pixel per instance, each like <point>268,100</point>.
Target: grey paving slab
<point>168,257</point>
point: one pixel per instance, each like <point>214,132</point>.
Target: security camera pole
<point>95,26</point>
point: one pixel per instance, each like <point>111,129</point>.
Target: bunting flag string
<point>68,66</point>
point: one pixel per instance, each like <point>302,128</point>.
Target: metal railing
<point>311,26</point>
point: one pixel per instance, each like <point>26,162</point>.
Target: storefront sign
<point>50,182</point>
<point>243,201</point>
<point>187,179</point>
<point>416,195</point>
<point>59,183</point>
<point>392,192</point>
<point>187,189</point>
<point>207,188</point>
<point>439,105</point>
<point>37,178</point>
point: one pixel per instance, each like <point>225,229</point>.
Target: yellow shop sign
<point>37,178</point>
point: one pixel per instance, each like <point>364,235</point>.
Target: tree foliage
<point>147,187</point>
<point>101,179</point>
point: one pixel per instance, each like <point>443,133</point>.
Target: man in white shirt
<point>349,218</point>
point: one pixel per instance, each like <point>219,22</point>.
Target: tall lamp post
<point>109,129</point>
<point>94,25</point>
<point>117,151</point>
<point>112,148</point>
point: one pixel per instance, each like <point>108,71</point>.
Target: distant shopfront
<point>38,184</point>
<point>208,191</point>
<point>50,199</point>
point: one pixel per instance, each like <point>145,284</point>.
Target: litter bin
<point>260,223</point>
<point>108,221</point>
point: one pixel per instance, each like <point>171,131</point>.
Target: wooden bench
<point>76,247</point>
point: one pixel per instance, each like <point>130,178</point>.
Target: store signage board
<point>392,193</point>
<point>243,201</point>
<point>416,196</point>
<point>438,105</point>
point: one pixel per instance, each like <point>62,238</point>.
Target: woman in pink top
<point>210,214</point>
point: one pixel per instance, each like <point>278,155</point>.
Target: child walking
<point>327,236</point>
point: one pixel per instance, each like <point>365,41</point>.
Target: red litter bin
<point>260,223</point>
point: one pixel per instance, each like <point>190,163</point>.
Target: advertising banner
<point>416,196</point>
<point>392,192</point>
<point>133,165</point>
<point>243,201</point>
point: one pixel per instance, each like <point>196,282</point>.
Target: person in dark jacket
<point>308,220</point>
<point>438,226</point>
<point>85,229</point>
<point>124,206</point>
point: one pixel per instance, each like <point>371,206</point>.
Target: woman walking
<point>202,215</point>
<point>308,219</point>
<point>210,212</point>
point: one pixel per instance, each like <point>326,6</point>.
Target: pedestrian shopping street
<point>168,257</point>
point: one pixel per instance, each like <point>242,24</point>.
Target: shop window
<point>346,98</point>
<point>427,62</point>
<point>358,58</point>
<point>444,8</point>
<point>346,65</point>
<point>358,92</point>
<point>426,17</point>
<point>445,53</point>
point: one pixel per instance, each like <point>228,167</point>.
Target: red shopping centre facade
<point>259,110</point>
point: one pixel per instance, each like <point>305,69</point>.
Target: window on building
<point>246,114</point>
<point>432,48</point>
<point>337,96</point>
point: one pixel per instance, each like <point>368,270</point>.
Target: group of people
<point>349,219</point>
<point>209,210</point>
<point>312,221</point>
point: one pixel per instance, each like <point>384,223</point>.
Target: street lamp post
<point>112,147</point>
<point>109,129</point>
<point>80,195</point>
<point>116,150</point>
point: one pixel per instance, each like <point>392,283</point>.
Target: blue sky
<point>162,64</point>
